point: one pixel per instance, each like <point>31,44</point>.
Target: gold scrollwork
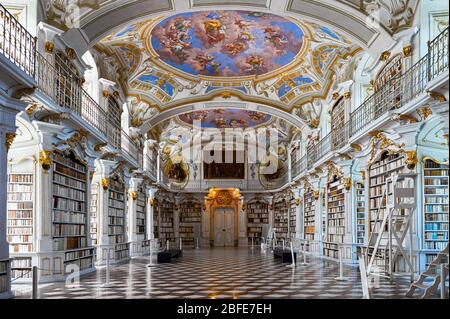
<point>133,195</point>
<point>316,195</point>
<point>407,51</point>
<point>411,159</point>
<point>385,55</point>
<point>347,183</point>
<point>105,183</point>
<point>9,139</point>
<point>437,96</point>
<point>425,112</point>
<point>45,159</point>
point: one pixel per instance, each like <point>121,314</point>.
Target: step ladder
<point>392,224</point>
<point>436,272</point>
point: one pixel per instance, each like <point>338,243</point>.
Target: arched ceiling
<point>280,57</point>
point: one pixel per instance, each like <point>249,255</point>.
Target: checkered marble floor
<point>221,273</point>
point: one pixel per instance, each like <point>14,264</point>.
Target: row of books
<point>20,197</point>
<point>435,181</point>
<point>20,238</point>
<point>63,160</point>
<point>436,235</point>
<point>62,230</point>
<point>115,230</point>
<point>20,178</point>
<point>435,191</point>
<point>436,208</point>
<point>20,248</point>
<point>116,196</point>
<point>19,262</point>
<point>436,226</point>
<point>20,214</point>
<point>69,217</point>
<point>436,217</point>
<point>114,203</point>
<point>435,245</point>
<point>68,204</point>
<point>335,238</point>
<point>68,181</point>
<point>78,254</point>
<point>190,219</point>
<point>438,172</point>
<point>112,220</point>
<point>70,193</point>
<point>81,264</point>
<point>436,200</point>
<point>20,222</point>
<point>115,212</point>
<point>20,231</point>
<point>20,188</point>
<point>58,168</point>
<point>20,206</point>
<point>69,243</point>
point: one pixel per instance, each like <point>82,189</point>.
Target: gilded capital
<point>9,139</point>
<point>45,159</point>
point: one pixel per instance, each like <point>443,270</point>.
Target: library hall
<point>224,149</point>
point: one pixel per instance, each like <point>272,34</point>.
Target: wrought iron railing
<point>132,148</point>
<point>65,88</point>
<point>393,95</point>
<point>16,43</point>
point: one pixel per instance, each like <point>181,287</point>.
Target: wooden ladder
<point>431,272</point>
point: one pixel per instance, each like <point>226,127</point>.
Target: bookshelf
<point>116,211</point>
<point>293,218</point>
<point>21,267</point>
<point>140,213</point>
<point>379,171</point>
<point>20,213</point>
<point>166,228</point>
<point>436,209</point>
<point>335,218</point>
<point>324,213</point>
<point>94,214</point>
<point>360,214</point>
<point>69,203</point>
<point>257,216</point>
<point>309,213</point>
<point>190,215</point>
<point>3,275</point>
<point>281,219</point>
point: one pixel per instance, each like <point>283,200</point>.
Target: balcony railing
<point>131,148</point>
<point>64,88</point>
<point>393,95</point>
<point>16,43</point>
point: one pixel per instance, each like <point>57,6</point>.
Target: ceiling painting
<point>227,43</point>
<point>225,118</point>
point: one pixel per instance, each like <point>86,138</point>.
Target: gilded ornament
<point>105,93</point>
<point>437,96</point>
<point>425,112</point>
<point>30,110</point>
<point>411,159</point>
<point>105,183</point>
<point>45,159</point>
<point>347,183</point>
<point>347,95</point>
<point>335,96</point>
<point>133,195</point>
<point>385,56</point>
<point>9,139</point>
<point>226,95</point>
<point>314,123</point>
<point>49,47</point>
<point>71,54</point>
<point>356,147</point>
<point>407,51</point>
<point>404,118</point>
<point>316,195</point>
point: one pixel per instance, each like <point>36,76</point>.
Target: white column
<point>149,212</point>
<point>8,111</point>
<point>132,208</point>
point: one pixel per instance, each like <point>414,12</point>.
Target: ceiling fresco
<point>226,118</point>
<point>227,43</point>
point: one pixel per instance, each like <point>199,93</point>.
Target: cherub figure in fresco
<point>177,49</point>
<point>242,24</point>
<point>215,66</point>
<point>255,62</point>
<point>235,48</point>
<point>220,122</point>
<point>204,60</point>
<point>258,14</point>
<point>255,116</point>
<point>236,123</point>
<point>214,28</point>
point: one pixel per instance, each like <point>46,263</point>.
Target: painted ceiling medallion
<point>225,118</point>
<point>227,43</point>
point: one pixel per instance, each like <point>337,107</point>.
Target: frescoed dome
<point>227,43</point>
